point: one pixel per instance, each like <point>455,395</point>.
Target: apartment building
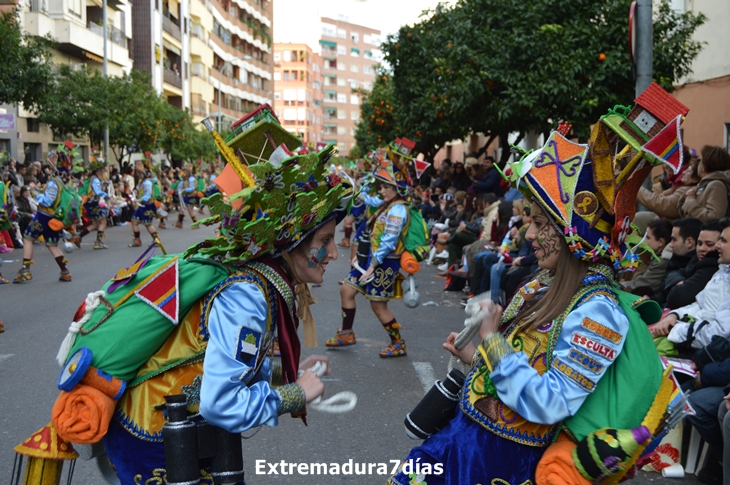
<point>298,94</point>
<point>350,54</point>
<point>76,27</point>
<point>706,91</point>
<point>242,69</point>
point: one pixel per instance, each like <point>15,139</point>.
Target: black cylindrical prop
<point>228,461</point>
<point>436,408</point>
<point>181,443</point>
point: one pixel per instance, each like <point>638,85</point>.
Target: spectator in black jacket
<point>681,286</point>
<point>488,181</point>
<point>709,398</point>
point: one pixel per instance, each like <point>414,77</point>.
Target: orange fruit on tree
<point>601,57</point>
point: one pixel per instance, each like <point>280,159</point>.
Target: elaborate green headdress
<point>280,205</point>
<point>96,160</point>
<point>589,190</point>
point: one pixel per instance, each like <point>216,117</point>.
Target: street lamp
<point>220,94</point>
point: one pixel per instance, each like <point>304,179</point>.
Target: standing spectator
<point>709,200</point>
<point>681,286</point>
<point>658,235</point>
<point>25,210</point>
<point>694,325</point>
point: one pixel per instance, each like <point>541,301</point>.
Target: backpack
<point>125,327</point>
<point>416,240</point>
<point>68,205</point>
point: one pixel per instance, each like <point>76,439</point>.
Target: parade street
<point>37,315</point>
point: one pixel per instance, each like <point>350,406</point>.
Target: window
<point>329,30</point>
<point>367,70</point>
<point>341,50</point>
<point>367,86</point>
<point>294,75</point>
<point>341,66</point>
<point>33,125</point>
<point>341,98</point>
<point>287,56</point>
<point>290,95</point>
<point>342,33</point>
<point>277,76</point>
<point>342,147</point>
<point>354,37</point>
<point>330,96</point>
<point>328,81</point>
<point>277,56</point>
<point>341,130</point>
<point>353,84</point>
<point>316,85</point>
<point>286,75</point>
<point>366,38</point>
<point>301,94</point>
<point>354,115</point>
<point>341,82</point>
<point>352,131</point>
<point>290,114</point>
<point>354,99</point>
<point>341,114</point>
<point>277,95</point>
<point>301,114</point>
<point>353,68</point>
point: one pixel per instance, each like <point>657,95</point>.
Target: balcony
<point>113,34</point>
<point>173,78</point>
<point>169,26</point>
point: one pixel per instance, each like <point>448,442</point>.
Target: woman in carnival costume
<point>51,217</point>
<point>564,387</point>
<point>278,240</point>
<point>95,205</point>
<point>148,198</point>
<point>387,227</point>
<point>190,195</point>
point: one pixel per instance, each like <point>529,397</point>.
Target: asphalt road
<point>37,315</point>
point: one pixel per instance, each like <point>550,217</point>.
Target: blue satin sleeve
<point>395,221</point>
<point>147,191</point>
<point>370,200</point>
<point>590,341</point>
<point>231,396</point>
<point>191,185</point>
<point>48,197</point>
<point>96,186</point>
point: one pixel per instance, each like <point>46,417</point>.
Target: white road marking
<point>424,372</point>
<point>5,356</point>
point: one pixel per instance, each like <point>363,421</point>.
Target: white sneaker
<point>431,255</point>
<point>443,255</point>
<point>443,267</point>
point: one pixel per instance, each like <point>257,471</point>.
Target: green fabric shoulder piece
<point>626,391</point>
<point>124,338</point>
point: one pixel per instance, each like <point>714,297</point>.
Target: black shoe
<point>711,474</point>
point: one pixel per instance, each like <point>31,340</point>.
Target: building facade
<point>76,27</point>
<point>351,54</point>
<point>706,91</point>
<point>298,94</point>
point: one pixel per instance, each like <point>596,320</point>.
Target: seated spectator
<point>486,178</point>
<point>709,396</point>
<point>666,203</point>
<point>460,179</point>
<point>694,325</point>
<point>683,246</point>
<point>493,228</point>
<point>680,286</point>
<point>658,235</point>
<point>709,200</point>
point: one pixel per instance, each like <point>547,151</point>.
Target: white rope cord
<point>92,301</point>
<point>359,268</point>
<point>471,328</point>
<point>342,402</point>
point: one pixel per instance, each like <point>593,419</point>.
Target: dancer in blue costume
<point>541,360</point>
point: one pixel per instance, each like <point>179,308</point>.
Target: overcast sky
<point>298,20</point>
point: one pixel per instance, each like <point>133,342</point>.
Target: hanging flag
<point>666,146</point>
<point>421,165</point>
<point>162,290</point>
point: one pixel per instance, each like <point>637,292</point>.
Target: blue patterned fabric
<point>145,214</point>
<point>38,227</point>
<point>192,200</point>
<point>469,455</point>
<point>382,286</point>
<point>94,211</point>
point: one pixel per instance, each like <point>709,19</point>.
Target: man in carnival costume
<point>190,197</point>
<point>95,205</point>
<point>387,228</point>
<point>58,207</point>
<point>244,288</point>
<point>565,387</point>
<point>149,198</point>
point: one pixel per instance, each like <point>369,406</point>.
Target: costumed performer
<point>191,196</point>
<point>48,221</point>
<point>281,239</point>
<point>95,205</point>
<point>148,198</point>
<point>387,229</point>
<point>570,356</point>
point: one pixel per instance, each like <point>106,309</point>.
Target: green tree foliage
<point>25,70</point>
<point>504,66</point>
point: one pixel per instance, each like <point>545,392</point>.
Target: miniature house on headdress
<point>404,146</point>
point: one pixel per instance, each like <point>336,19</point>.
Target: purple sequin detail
<point>545,328</point>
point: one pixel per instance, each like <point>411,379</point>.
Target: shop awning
<point>328,43</point>
<point>353,49</point>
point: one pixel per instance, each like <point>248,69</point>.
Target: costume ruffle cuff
<point>494,348</point>
<point>292,398</point>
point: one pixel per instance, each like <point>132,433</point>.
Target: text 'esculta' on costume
<point>176,346</point>
<point>580,397</point>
